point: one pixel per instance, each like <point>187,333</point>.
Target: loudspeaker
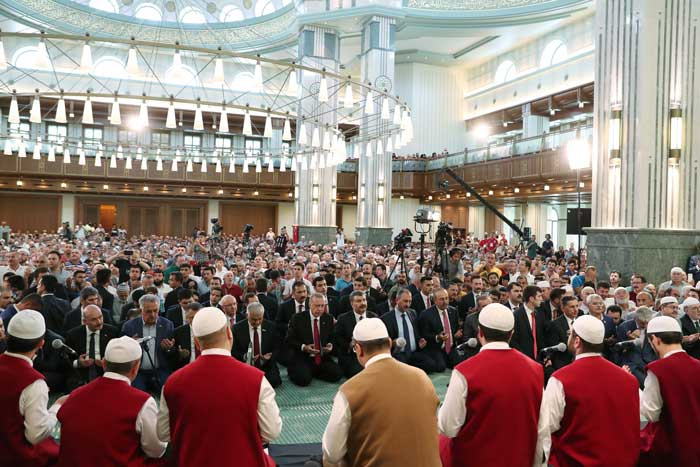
<point>572,227</point>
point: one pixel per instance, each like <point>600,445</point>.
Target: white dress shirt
<point>554,403</point>
<point>38,421</point>
<point>650,400</point>
<point>453,412</point>
<point>335,438</point>
<point>312,329</point>
<point>87,346</point>
<point>269,421</point>
<point>425,300</point>
<point>145,422</point>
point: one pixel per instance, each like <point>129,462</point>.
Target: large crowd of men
<point>550,363</point>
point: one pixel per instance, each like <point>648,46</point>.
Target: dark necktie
<point>697,326</point>
<point>360,319</point>
<point>406,334</point>
<point>92,370</point>
<point>301,308</point>
<point>428,302</point>
<point>256,347</point>
<point>317,342</point>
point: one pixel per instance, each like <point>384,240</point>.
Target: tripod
<point>400,259</point>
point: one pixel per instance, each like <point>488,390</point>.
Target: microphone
<point>400,344</point>
<point>144,340</point>
<point>58,344</point>
<point>560,347</point>
<point>625,345</point>
<point>471,343</point>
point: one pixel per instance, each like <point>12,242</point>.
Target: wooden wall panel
<point>489,221</point>
<point>25,212</point>
<point>235,215</point>
<point>457,214</point>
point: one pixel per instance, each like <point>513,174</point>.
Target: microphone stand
<point>144,344</point>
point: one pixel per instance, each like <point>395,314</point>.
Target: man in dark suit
<point>297,304</point>
<point>28,302</point>
<point>552,307</point>
<point>88,296</point>
<point>310,340</point>
<point>401,322</point>
<point>176,313</point>
<point>320,286</point>
<point>184,339</point>
<point>159,351</point>
<point>525,339</point>
<point>422,300</point>
<point>637,357</point>
<point>90,341</point>
<point>343,333</point>
<point>175,283</point>
<point>255,342</point>
<point>468,303</point>
<point>690,326</point>
<point>470,329</point>
<point>102,278</point>
<point>359,284</point>
<point>558,331</point>
<point>53,364</point>
<point>269,303</point>
<point>439,326</point>
<point>53,309</point>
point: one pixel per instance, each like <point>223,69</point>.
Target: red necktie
<point>256,346</point>
<point>446,325</point>
<point>317,342</point>
<point>428,300</point>
<point>534,333</point>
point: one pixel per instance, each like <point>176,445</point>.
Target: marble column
<point>315,188</point>
<point>374,172</point>
<point>645,176</point>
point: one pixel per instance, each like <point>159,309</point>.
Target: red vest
<point>16,375</point>
<point>504,393</point>
<point>98,425</point>
<point>674,437</point>
<point>213,405</point>
<point>600,426</point>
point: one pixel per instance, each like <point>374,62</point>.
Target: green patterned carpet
<point>305,411</point>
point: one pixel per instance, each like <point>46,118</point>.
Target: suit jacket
<point>430,325</point>
<point>269,342</point>
<point>270,305</point>
<point>182,341</point>
<point>638,358</point>
<point>164,330</point>
<point>344,304</point>
<point>174,314</point>
<point>522,339</point>
<point>54,310</point>
<point>107,297</point>
<point>343,331</point>
<point>75,318</point>
<point>546,309</point>
<point>413,288</point>
<point>171,298</point>
<point>333,293</point>
<point>624,328</point>
<point>48,359</point>
<point>284,315</point>
<point>470,329</point>
<point>556,332</point>
<point>376,296</point>
<point>688,328</point>
<point>383,308</point>
<point>7,315</point>
<point>417,304</point>
<point>77,340</point>
<point>468,302</point>
<point>392,326</point>
<point>300,332</point>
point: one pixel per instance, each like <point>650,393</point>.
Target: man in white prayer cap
<point>670,401</point>
<point>591,405</point>
<point>479,400</point>
<point>107,421</point>
<point>26,423</point>
<point>373,424</point>
<point>217,410</point>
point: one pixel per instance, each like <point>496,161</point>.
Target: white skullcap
<point>123,350</point>
<point>690,301</point>
<point>620,289</point>
<point>543,285</point>
<point>370,329</point>
<point>589,329</point>
<point>207,321</point>
<point>677,269</point>
<point>497,316</point>
<point>667,300</point>
<point>662,324</point>
<point>567,288</point>
<point>27,324</point>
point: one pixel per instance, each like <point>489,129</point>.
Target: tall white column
<point>645,186</point>
<point>374,176</point>
<point>316,187</point>
<point>68,208</point>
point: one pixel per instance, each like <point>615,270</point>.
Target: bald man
<point>90,341</point>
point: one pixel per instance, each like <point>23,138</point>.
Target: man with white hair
<point>690,325</point>
<point>190,408</point>
<point>25,421</point>
<point>479,399</point>
<point>670,401</point>
<point>585,293</point>
<point>124,433</point>
<point>677,281</point>
<point>590,388</point>
<point>622,299</point>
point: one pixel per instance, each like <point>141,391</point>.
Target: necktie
<point>360,318</point>
<point>256,346</point>
<point>317,342</point>
<point>697,326</point>
<point>406,334</point>
<point>428,302</point>
<point>534,334</point>
<point>446,325</point>
<point>301,308</point>
<point>92,371</point>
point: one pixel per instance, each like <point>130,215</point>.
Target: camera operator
<point>455,268</point>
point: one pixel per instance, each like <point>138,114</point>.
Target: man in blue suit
<point>159,350</point>
<point>636,357</point>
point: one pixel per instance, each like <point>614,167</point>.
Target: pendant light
<point>323,89</point>
<point>292,82</point>
<point>42,60</point>
<point>219,77</point>
<point>52,154</point>
<point>245,165</point>
<point>120,152</point>
<point>287,130</point>
<point>159,164</point>
<point>267,132</point>
<point>258,165</point>
<point>60,116</point>
<point>132,64</point>
<point>232,164</point>
<point>3,57</point>
<point>369,102</point>
<point>115,117</point>
<point>143,113</point>
<point>247,126</point>
<point>380,147</point>
<point>189,165</point>
<point>170,119</point>
<point>81,153</point>
<point>349,101</point>
<point>22,150</point>
<point>257,77</point>
<point>86,57</point>
<point>386,115</point>
<point>87,111</point>
<point>66,155</point>
<point>301,136</point>
<point>198,120</point>
<point>127,163</point>
<point>36,155</point>
<point>397,114</point>
<point>315,138</point>
<point>223,121</point>
<point>283,164</point>
<point>98,156</point>
<point>13,116</point>
<point>173,165</point>
<point>113,161</point>
<point>144,163</point>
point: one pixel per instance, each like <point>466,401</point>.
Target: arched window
<point>110,6</point>
<point>553,224</point>
<point>109,67</point>
<point>192,15</point>
<point>244,81</point>
<point>505,72</point>
<point>181,75</point>
<point>553,53</point>
<point>25,57</point>
<point>231,13</point>
<point>148,11</point>
<point>263,7</point>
